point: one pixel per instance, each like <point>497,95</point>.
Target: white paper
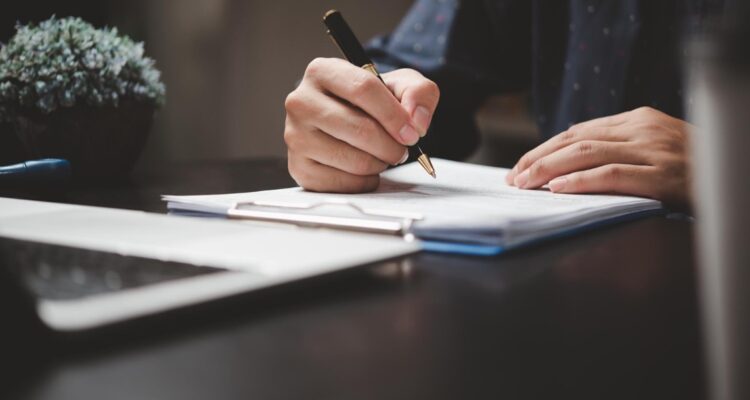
<point>465,203</point>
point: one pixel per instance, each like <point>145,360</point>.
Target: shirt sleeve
<point>471,49</point>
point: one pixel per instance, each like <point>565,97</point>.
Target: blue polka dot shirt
<point>579,59</point>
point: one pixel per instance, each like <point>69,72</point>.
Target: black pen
<point>350,47</point>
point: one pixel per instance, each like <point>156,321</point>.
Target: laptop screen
<point>55,272</point>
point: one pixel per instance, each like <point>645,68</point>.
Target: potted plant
<point>69,90</point>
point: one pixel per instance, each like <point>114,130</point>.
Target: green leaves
<point>64,62</point>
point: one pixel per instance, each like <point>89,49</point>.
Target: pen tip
<point>425,162</point>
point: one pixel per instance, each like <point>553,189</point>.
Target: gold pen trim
<point>371,67</point>
<point>425,162</point>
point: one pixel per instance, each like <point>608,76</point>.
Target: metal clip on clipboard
<point>311,215</point>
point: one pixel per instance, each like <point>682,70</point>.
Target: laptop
<point>79,268</point>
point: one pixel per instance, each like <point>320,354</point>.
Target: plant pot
<point>99,142</point>
<point>11,151</point>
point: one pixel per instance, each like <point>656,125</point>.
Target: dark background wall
<point>227,64</point>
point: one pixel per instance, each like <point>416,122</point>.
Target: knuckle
<point>613,173</point>
<point>585,148</point>
<point>658,149</point>
<point>293,102</point>
<point>523,163</point>
<point>574,182</point>
<point>409,71</point>
<point>364,82</point>
<point>338,156</point>
<point>667,145</point>
<point>676,136</point>
<point>429,90</point>
<point>649,126</point>
<point>433,88</point>
<point>570,135</point>
<point>363,165</point>
<point>364,128</point>
<point>315,66</point>
<point>644,110</point>
<point>360,165</point>
<point>575,127</point>
<point>395,118</point>
<point>539,168</point>
<point>292,138</point>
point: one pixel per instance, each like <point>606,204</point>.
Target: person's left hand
<point>640,152</point>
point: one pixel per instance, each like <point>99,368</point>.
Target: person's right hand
<point>344,127</point>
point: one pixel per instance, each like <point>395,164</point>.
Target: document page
<point>465,202</point>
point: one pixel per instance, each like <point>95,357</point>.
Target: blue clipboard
<point>494,250</point>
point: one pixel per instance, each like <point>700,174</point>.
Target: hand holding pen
<point>344,126</point>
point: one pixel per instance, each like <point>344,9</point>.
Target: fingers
<point>364,90</point>
<point>344,126</point>
<point>327,150</point>
<point>346,157</point>
<point>611,178</point>
<point>639,152</point>
<point>598,129</point>
<point>418,95</point>
<point>575,157</point>
<point>317,177</point>
<point>315,111</point>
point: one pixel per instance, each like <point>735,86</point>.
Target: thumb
<point>418,95</point>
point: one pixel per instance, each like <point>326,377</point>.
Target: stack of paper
<point>468,204</point>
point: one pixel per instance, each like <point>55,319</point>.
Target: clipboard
<point>313,215</point>
<point>451,217</point>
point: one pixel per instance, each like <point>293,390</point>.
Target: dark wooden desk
<point>609,314</point>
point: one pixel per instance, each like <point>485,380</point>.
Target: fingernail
<point>408,134</point>
<point>558,184</point>
<point>405,157</point>
<point>422,120</point>
<point>522,179</point>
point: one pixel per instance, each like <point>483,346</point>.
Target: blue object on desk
<point>492,250</point>
<point>51,171</point>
